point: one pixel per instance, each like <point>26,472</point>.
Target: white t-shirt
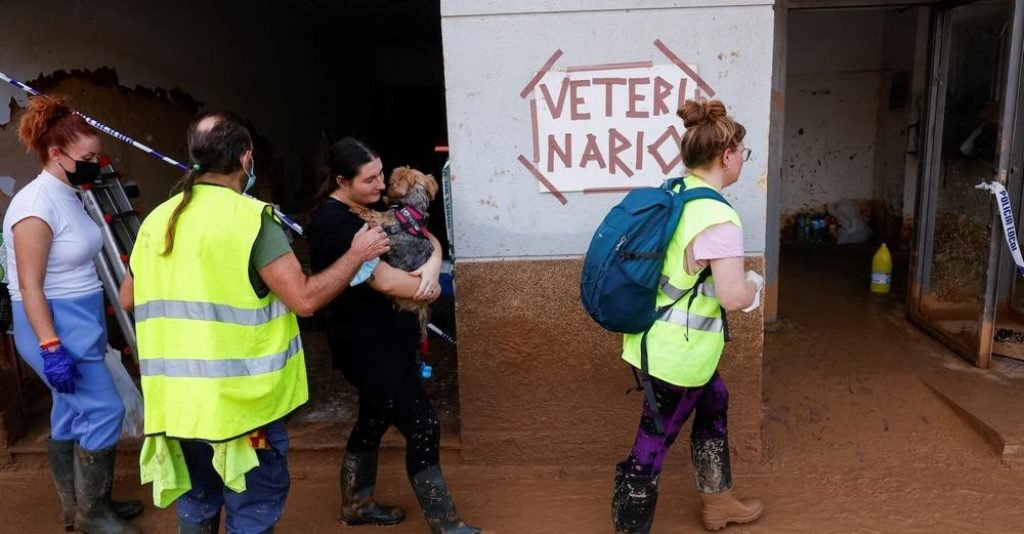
<point>77,240</point>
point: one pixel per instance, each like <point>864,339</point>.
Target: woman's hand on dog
<point>428,273</point>
<point>430,288</point>
<point>370,242</point>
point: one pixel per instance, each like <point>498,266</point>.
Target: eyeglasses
<point>746,154</point>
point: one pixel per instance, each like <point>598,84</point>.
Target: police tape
<point>1006,215</point>
<point>126,139</point>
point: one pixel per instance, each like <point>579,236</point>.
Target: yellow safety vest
<point>686,341</point>
<point>217,360</point>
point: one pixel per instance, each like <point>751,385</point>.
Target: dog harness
<point>411,220</point>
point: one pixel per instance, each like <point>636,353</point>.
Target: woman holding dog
<point>704,265</point>
<point>374,345</point>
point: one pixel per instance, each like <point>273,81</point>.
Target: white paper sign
<point>609,128</point>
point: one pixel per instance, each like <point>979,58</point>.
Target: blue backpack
<point>622,269</point>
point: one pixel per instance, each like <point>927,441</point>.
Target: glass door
<point>974,75</point>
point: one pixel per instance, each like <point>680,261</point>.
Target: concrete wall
<point>539,382</point>
<point>220,54</point>
<point>834,73</point>
<point>299,73</point>
<point>165,120</point>
<point>854,85</point>
<point>503,214</point>
<point>900,97</point>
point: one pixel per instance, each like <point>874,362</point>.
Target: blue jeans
<point>255,510</point>
<point>94,413</point>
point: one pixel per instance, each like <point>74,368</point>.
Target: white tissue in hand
<point>758,280</point>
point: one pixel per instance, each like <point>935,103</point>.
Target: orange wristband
<point>52,342</point>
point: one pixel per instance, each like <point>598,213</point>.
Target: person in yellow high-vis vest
<point>703,275</point>
<point>215,290</point>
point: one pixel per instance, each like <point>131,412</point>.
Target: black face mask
<point>85,172</point>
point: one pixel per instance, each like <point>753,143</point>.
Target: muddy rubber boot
<point>61,454</point>
<point>94,480</point>
<point>712,475</point>
<point>358,480</point>
<point>437,505</point>
<point>210,526</point>
<point>634,498</point>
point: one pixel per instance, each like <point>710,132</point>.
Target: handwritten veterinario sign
<point>610,126</point>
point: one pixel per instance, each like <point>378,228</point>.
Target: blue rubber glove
<point>59,368</point>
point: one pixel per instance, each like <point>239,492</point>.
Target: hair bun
<point>48,108</point>
<point>701,112</point>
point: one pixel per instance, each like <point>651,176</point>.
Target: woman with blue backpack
<point>702,277</point>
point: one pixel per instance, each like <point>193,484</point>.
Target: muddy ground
<point>855,441</point>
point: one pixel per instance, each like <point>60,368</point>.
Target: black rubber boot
<point>437,505</point>
<point>634,498</point>
<point>94,480</point>
<point>358,480</point>
<point>61,454</point>
<point>210,526</point>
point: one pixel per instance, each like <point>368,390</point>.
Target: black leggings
<point>391,393</point>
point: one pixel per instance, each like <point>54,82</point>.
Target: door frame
<point>776,127</point>
<point>979,354</point>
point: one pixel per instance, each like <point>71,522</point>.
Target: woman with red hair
<point>59,325</point>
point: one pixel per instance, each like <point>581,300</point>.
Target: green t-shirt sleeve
<point>271,243</point>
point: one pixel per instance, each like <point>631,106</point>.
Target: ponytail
<point>217,149</point>
<point>185,185</point>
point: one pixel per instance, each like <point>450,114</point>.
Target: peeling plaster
<point>7,185</point>
<point>103,76</point>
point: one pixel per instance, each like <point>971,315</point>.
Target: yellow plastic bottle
<point>881,270</point>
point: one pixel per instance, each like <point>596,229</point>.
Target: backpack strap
<point>671,183</point>
<point>702,192</point>
<point>644,378</point>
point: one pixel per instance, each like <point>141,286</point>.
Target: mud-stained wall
<point>854,89</point>
<point>12,408</point>
<point>834,72</point>
<point>158,118</point>
<point>499,207</point>
<point>211,50</point>
<point>302,75</point>
<point>541,383</point>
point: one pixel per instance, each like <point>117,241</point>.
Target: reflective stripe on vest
<point>207,311</point>
<point>691,320</point>
<point>707,289</point>
<point>223,367</point>
<point>685,344</point>
<point>217,360</point>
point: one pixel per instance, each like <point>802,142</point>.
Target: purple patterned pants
<point>675,403</point>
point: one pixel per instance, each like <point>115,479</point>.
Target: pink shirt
<point>723,240</point>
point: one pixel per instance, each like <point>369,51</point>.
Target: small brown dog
<point>408,196</point>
